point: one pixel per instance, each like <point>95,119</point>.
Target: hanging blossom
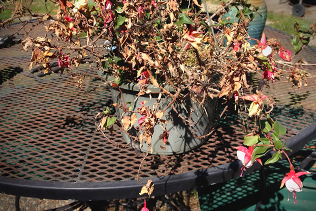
<point>154,3</point>
<point>244,155</point>
<point>256,105</point>
<point>144,78</point>
<point>144,208</point>
<point>107,10</point>
<point>268,75</point>
<point>236,46</point>
<point>63,61</point>
<point>141,10</point>
<point>194,37</point>
<point>293,183</point>
<point>265,49</point>
<point>285,54</point>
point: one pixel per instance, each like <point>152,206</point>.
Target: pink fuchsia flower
<point>236,96</point>
<point>144,78</point>
<point>285,54</point>
<point>141,121</point>
<point>194,37</point>
<point>141,10</point>
<point>154,3</point>
<point>107,10</point>
<point>144,208</point>
<point>63,61</point>
<point>265,50</point>
<point>256,105</point>
<point>68,19</point>
<point>236,46</point>
<point>293,183</point>
<point>268,75</point>
<point>244,155</point>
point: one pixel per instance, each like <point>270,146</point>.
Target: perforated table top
<point>50,147</point>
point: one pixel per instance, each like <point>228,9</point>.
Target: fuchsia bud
<point>293,183</point>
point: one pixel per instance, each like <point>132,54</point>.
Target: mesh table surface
<point>48,132</point>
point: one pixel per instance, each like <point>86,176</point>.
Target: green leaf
<point>120,20</point>
<point>295,39</point>
<point>117,80</point>
<point>265,126</point>
<point>279,129</point>
<point>297,47</point>
<point>251,140</point>
<point>107,110</point>
<point>259,151</point>
<point>147,15</point>
<point>277,142</point>
<point>264,141</point>
<point>304,27</point>
<point>275,158</point>
<point>119,9</point>
<point>116,59</point>
<point>131,105</point>
<point>263,58</point>
<point>91,4</point>
<point>110,121</point>
<point>286,148</point>
<point>184,18</point>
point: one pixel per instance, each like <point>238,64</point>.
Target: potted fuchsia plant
<point>167,66</point>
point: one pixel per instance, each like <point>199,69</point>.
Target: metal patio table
<point>50,147</point>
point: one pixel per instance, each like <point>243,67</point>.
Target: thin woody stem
<point>291,165</point>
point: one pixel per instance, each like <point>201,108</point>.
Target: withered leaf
<point>196,3</point>
<point>126,122</point>
<point>159,114</point>
<point>27,43</point>
<point>133,119</point>
<point>148,188</point>
<point>103,121</point>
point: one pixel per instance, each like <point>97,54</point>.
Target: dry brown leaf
<point>27,43</point>
<point>148,188</point>
<point>126,122</point>
<point>159,114</point>
<point>103,121</point>
<point>196,3</point>
<point>147,58</point>
<point>133,119</point>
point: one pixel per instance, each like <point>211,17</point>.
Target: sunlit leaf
<point>120,20</point>
<point>91,4</point>
<point>279,129</point>
<point>107,110</point>
<point>251,140</point>
<point>110,121</point>
<point>265,126</point>
<point>259,151</point>
<point>184,18</point>
<point>275,157</point>
<point>277,142</point>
